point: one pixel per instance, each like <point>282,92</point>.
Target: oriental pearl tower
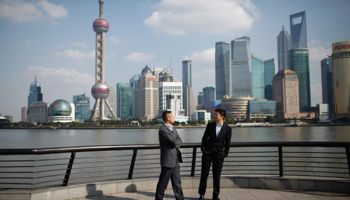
<point>100,90</point>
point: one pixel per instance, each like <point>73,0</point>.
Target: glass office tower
<point>241,67</point>
<point>223,77</point>
<point>298,30</point>
<point>284,43</point>
<point>257,77</point>
<point>189,100</point>
<point>269,73</point>
<point>34,92</point>
<point>200,98</point>
<point>327,84</point>
<point>341,78</point>
<point>82,107</point>
<point>299,63</point>
<point>124,100</point>
<point>208,94</point>
<point>133,84</point>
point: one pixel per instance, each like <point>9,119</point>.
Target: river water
<point>42,138</point>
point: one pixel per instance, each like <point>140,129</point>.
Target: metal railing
<point>50,167</point>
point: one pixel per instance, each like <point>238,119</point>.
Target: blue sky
<point>55,40</point>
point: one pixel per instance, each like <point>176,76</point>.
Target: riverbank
<point>179,127</point>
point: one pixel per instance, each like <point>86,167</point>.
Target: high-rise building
<point>147,95</point>
<point>208,93</point>
<point>327,84</point>
<point>241,67</point>
<point>341,78</point>
<point>284,43</point>
<point>133,84</point>
<point>173,104</point>
<point>189,100</point>
<point>299,63</point>
<point>285,91</point>
<point>34,93</point>
<point>200,98</point>
<point>82,107</point>
<point>298,30</point>
<point>223,73</point>
<point>23,114</point>
<point>258,86</point>
<point>100,90</point>
<point>124,100</point>
<point>269,73</point>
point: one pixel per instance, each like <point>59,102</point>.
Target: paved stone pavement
<point>228,194</point>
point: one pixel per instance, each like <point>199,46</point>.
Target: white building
<point>173,104</point>
<point>38,112</point>
<point>166,88</point>
<point>201,115</point>
<point>323,112</point>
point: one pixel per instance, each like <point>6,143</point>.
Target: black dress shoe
<point>201,197</point>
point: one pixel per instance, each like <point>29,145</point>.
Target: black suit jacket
<point>219,146</point>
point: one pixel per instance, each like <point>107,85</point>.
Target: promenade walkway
<point>229,194</point>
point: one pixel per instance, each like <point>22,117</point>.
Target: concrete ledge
<point>139,185</point>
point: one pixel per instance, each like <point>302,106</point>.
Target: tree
<point>282,120</point>
<point>201,121</point>
<point>271,119</point>
<point>230,121</point>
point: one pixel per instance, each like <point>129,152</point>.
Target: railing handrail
<point>26,151</point>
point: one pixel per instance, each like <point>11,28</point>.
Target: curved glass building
<point>61,111</point>
<point>341,78</point>
<point>236,107</point>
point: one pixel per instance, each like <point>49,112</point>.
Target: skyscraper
<point>23,114</point>
<point>285,91</point>
<point>299,63</point>
<point>241,67</point>
<point>189,100</point>
<point>82,107</point>
<point>100,91</point>
<point>258,77</point>
<point>133,84</point>
<point>327,83</point>
<point>124,100</point>
<point>269,73</point>
<point>284,43</point>
<point>147,95</point>
<point>34,92</point>
<point>208,94</point>
<point>200,98</point>
<point>223,73</point>
<point>298,30</point>
<point>341,78</point>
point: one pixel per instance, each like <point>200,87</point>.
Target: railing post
<point>131,170</point>
<point>194,155</point>
<point>280,160</point>
<point>348,157</point>
<point>69,169</point>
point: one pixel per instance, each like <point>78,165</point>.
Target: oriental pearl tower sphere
<point>100,90</point>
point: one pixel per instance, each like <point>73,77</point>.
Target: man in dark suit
<point>215,147</point>
<point>170,156</point>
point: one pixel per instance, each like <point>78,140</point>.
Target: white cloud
<point>53,11</point>
<point>203,68</point>
<point>318,51</point>
<point>28,42</point>
<point>180,17</point>
<point>61,83</point>
<point>139,57</point>
<point>20,11</point>
<point>114,39</point>
<point>79,44</point>
<point>75,54</point>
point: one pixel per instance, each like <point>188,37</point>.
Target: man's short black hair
<point>222,112</point>
<point>165,115</point>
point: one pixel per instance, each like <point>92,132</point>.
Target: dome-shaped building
<point>61,111</point>
<point>146,70</point>
<point>38,112</point>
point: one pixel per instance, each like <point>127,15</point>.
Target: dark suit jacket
<point>219,146</point>
<point>168,140</point>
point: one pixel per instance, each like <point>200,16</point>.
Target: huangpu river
<point>43,138</point>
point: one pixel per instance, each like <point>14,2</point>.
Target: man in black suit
<point>170,156</point>
<point>215,147</point>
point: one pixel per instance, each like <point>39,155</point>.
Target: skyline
<point>56,41</point>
